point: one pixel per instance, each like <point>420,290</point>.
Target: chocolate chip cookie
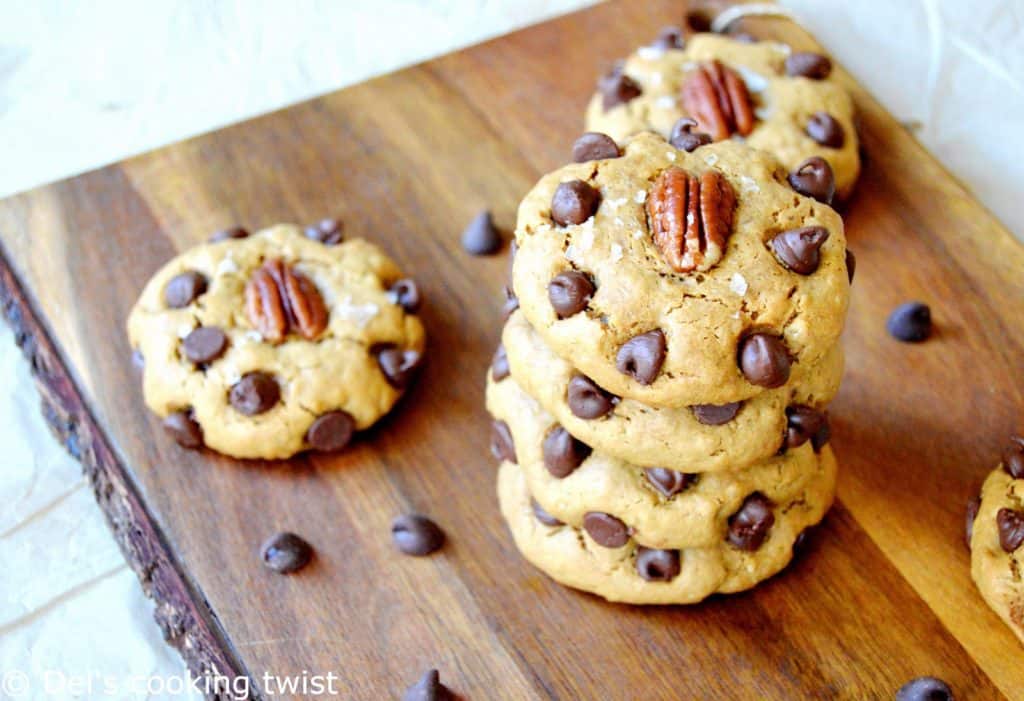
<point>266,345</point>
<point>680,278</point>
<point>782,102</point>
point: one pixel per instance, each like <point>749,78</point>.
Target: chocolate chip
<point>255,393</point>
<point>925,689</point>
<point>910,322</point>
<point>415,534</point>
<point>972,514</point>
<point>657,565</point>
<point>406,294</point>
<point>851,264</point>
<point>502,445</point>
<point>326,231</point>
<point>668,482</point>
<point>605,529</point>
<point>543,516</point>
<point>801,540</point>
<point>698,21</point>
<point>511,303</point>
<point>204,344</point>
<point>749,526</point>
<point>814,178</point>
<point>800,249</point>
<point>683,137</point>
<point>642,356</point>
<point>234,232</point>
<point>331,431</point>
<point>1013,458</point>
<point>594,146</point>
<point>1011,529</point>
<point>716,414</point>
<point>803,423</point>
<point>428,688</point>
<point>826,130</point>
<point>183,288</point>
<point>588,401</point>
<point>764,360</point>
<point>481,238</point>
<point>183,428</point>
<point>824,434</point>
<point>285,553</point>
<point>617,88</point>
<point>669,38</point>
<point>397,365</point>
<point>574,202</point>
<point>499,364</point>
<point>808,65</point>
<point>562,452</point>
<point>569,292</point>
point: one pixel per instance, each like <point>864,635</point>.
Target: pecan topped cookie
<point>266,345</point>
<point>680,278</point>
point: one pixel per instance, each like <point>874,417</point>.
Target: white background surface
<point>83,84</point>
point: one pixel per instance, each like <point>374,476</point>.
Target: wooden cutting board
<point>406,160</point>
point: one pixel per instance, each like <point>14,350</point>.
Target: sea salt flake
<point>711,159</point>
<point>640,197</point>
<point>650,53</point>
<point>755,81</point>
<point>749,184</point>
<point>360,314</point>
<point>227,266</point>
<point>763,113</point>
<point>671,155</point>
<point>619,222</point>
<point>616,203</point>
<point>616,253</point>
<point>586,237</point>
<point>665,102</point>
<point>572,255</point>
<point>656,78</point>
<point>738,284</point>
<point>638,234</point>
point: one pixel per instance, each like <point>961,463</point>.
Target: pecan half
<point>279,301</point>
<point>717,98</point>
<point>691,217</point>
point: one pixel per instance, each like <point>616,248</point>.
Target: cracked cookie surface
<point>784,106</point>
<point>302,382</point>
<point>620,285</point>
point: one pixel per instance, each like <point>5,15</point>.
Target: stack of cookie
<point>659,396</point>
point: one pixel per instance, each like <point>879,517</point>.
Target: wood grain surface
<point>883,593</point>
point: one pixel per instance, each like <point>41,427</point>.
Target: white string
<point>757,9</point>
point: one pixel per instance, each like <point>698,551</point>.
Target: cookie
<point>662,508</point>
<point>760,92</point>
<point>635,574</point>
<point>689,439</point>
<point>679,278</point>
<point>268,345</point>
<point>997,541</point>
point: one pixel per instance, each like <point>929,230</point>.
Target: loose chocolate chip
<point>499,364</point>
<point>234,232</point>
<point>204,344</point>
<point>326,231</point>
<point>406,294</point>
<point>910,322</point>
<point>716,414</point>
<point>826,130</point>
<point>668,482</point>
<point>397,365</point>
<point>502,445</point>
<point>925,689</point>
<point>698,21</point>
<point>428,688</point>
<point>683,137</point>
<point>183,288</point>
<point>972,514</point>
<point>255,393</point>
<point>511,303</point>
<point>414,534</point>
<point>481,238</point>
<point>823,436</point>
<point>331,431</point>
<point>285,553</point>
<point>749,526</point>
<point>801,540</point>
<point>605,529</point>
<point>184,429</point>
<point>588,401</point>
<point>814,178</point>
<point>803,423</point>
<point>800,249</point>
<point>764,360</point>
<point>574,202</point>
<point>669,38</point>
<point>543,516</point>
<point>1013,458</point>
<point>641,357</point>
<point>617,88</point>
<point>562,452</point>
<point>1011,529</point>
<point>808,65</point>
<point>569,292</point>
<point>851,264</point>
<point>594,146</point>
<point>657,565</point>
